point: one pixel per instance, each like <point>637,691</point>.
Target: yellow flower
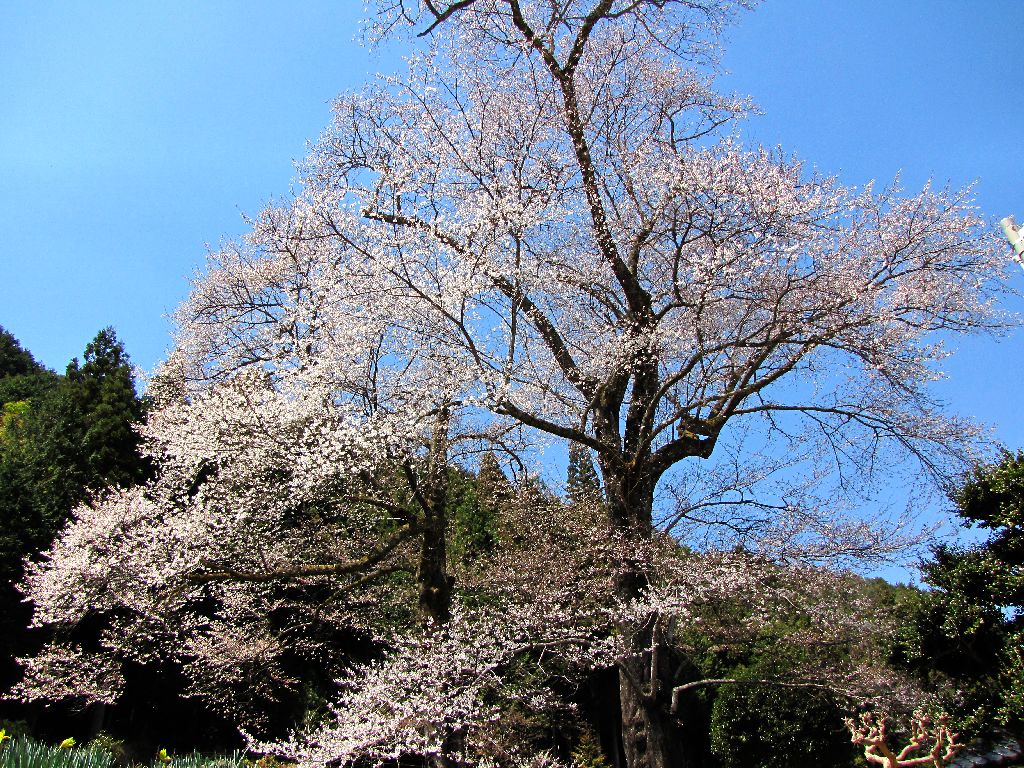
<point>3,736</point>
<point>68,743</point>
<point>162,756</point>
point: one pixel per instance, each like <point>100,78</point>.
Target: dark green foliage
<point>30,487</point>
<point>15,361</point>
<point>27,386</point>
<point>581,483</point>
<point>475,505</point>
<point>775,709</point>
<point>769,717</point>
<point>21,377</point>
<point>46,455</point>
<point>965,634</point>
<point>61,439</point>
<point>776,727</point>
<point>492,486</point>
<point>472,520</point>
<point>992,574</point>
<point>104,392</point>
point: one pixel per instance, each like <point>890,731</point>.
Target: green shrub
<point>773,727</point>
<point>588,752</point>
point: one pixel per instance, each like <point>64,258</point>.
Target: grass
<point>25,753</point>
<point>195,760</point>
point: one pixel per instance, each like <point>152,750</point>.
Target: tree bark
<point>435,596</point>
<point>651,736</point>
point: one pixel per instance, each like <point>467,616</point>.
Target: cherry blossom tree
<point>545,183</point>
<point>539,613</point>
<point>301,494</point>
<point>537,229</point>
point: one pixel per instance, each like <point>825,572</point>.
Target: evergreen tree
<point>25,386</point>
<point>26,391</point>
<point>472,521</point>
<point>582,484</point>
<point>104,390</point>
<point>478,504</point>
<point>14,360</point>
<point>968,631</point>
<point>21,377</point>
<point>493,487</point>
<point>61,439</point>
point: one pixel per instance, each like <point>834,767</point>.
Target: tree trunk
<point>651,737</point>
<point>97,718</point>
<point>435,597</point>
<point>435,583</point>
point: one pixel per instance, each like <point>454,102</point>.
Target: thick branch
<point>638,300</point>
<point>440,17</point>
<point>679,690</point>
<point>307,571</point>
<point>552,338</point>
<point>552,428</point>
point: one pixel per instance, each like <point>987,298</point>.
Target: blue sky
<point>133,133</point>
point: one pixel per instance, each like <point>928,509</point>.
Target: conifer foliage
<point>103,389</point>
<point>968,630</point>
<point>582,484</point>
<point>62,438</point>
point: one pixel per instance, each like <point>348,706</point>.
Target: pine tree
<point>104,390</point>
<point>582,485</point>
